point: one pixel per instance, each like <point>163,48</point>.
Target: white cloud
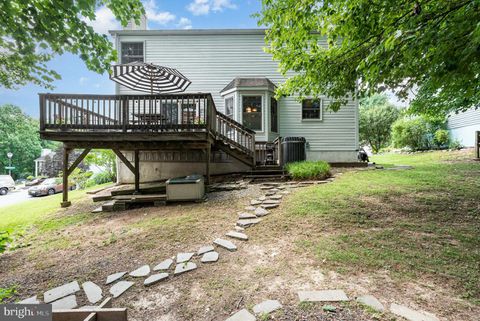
<point>153,14</point>
<point>104,21</point>
<point>184,23</point>
<point>83,81</point>
<point>203,7</point>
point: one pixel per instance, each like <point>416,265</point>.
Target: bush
<point>413,133</point>
<point>441,138</point>
<point>103,177</point>
<point>309,170</point>
<point>4,240</point>
<point>30,178</point>
<point>455,144</point>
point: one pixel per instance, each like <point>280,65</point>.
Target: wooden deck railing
<point>141,113</point>
<point>268,153</point>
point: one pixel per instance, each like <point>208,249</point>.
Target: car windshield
<point>49,181</point>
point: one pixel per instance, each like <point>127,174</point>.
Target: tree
<point>105,159</point>
<point>413,132</point>
<point>376,118</point>
<point>18,135</point>
<point>31,32</point>
<point>428,46</point>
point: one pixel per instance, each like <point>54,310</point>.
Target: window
<point>252,112</point>
<point>273,115</point>
<point>132,51</point>
<point>312,109</point>
<point>229,107</point>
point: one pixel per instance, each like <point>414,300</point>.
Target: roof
<point>260,82</point>
<point>187,32</point>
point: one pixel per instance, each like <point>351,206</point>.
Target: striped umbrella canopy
<point>149,77</point>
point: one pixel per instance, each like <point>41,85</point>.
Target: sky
<point>161,14</point>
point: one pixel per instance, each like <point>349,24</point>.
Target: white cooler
<point>187,188</point>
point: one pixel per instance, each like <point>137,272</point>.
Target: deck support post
<point>137,172</point>
<point>207,163</point>
<point>65,201</point>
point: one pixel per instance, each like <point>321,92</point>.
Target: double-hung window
<point>312,109</point>
<point>131,52</point>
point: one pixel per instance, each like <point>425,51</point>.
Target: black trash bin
<point>293,149</point>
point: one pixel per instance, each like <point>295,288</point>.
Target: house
<point>463,126</point>
<point>41,163</point>
<point>232,66</point>
<point>227,121</point>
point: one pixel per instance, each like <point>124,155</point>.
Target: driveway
<point>15,197</point>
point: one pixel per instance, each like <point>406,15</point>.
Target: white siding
<point>463,126</point>
<point>211,61</point>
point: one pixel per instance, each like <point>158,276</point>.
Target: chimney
<point>133,26</point>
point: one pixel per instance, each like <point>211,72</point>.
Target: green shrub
<point>441,138</point>
<point>413,133</point>
<point>7,293</point>
<point>4,240</point>
<point>309,170</point>
<point>455,144</point>
<point>30,178</point>
<point>103,177</point>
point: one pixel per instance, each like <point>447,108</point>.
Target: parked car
<point>34,182</point>
<point>6,184</point>
<point>49,186</point>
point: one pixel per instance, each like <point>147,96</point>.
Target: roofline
<point>188,32</point>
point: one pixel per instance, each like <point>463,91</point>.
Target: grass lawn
<point>410,237</point>
<point>413,224</point>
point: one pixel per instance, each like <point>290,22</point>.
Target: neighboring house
<point>42,163</point>
<point>232,66</point>
<point>49,163</point>
<point>463,126</point>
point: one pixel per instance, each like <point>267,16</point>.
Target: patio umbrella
<point>149,77</point>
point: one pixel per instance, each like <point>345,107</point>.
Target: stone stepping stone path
<point>242,315</point>
<point>248,222</point>
<point>164,265</point>
<point>322,296</point>
<point>261,212</point>
<point>184,257</point>
<point>69,302</point>
<point>209,257</point>
<point>271,202</point>
<point>92,291</point>
<point>152,279</point>
<point>255,202</point>
<point>30,300</point>
<point>269,206</point>
<point>246,215</point>
<point>237,235</point>
<point>184,267</point>
<point>225,244</point>
<point>114,277</point>
<point>205,249</point>
<point>250,208</point>
<point>239,229</point>
<point>411,314</point>
<point>142,271</point>
<point>371,302</point>
<point>120,287</point>
<point>267,307</point>
<point>276,197</point>
<point>262,198</point>
<point>61,292</point>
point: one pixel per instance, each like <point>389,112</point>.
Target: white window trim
<point>308,120</point>
<point>263,108</point>
<point>119,49</point>
<point>225,98</point>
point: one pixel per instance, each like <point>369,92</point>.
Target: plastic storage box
<point>187,188</point>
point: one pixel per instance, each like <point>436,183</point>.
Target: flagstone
<point>30,300</point>
<point>237,235</point>
<point>261,212</point>
<point>152,279</point>
<point>184,267</point>
<point>205,249</point>
<point>61,291</point>
<point>267,307</point>
<point>120,287</point>
<point>209,257</point>
<point>92,291</point>
<point>248,222</point>
<point>164,265</point>
<point>114,277</point>
<point>255,202</point>
<point>142,271</point>
<point>69,302</point>
<point>184,257</point>
<point>225,244</point>
<point>242,315</point>
<point>246,215</point>
<point>371,301</point>
<point>323,295</point>
<point>411,314</point>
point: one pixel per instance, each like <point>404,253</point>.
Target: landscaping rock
<point>267,307</point>
<point>266,187</point>
<point>246,215</point>
<point>250,208</point>
<point>276,197</point>
<point>184,267</point>
<point>164,265</point>
<point>141,271</point>
<point>225,244</point>
<point>248,222</point>
<point>269,206</point>
<point>268,202</point>
<point>372,302</point>
<point>285,192</point>
<point>239,229</point>
<point>275,190</point>
<point>411,314</point>
<point>322,296</point>
<point>120,287</point>
<point>184,257</point>
<point>61,291</point>
<point>237,235</point>
<point>152,279</point>
<point>31,300</point>
<point>92,291</point>
<point>269,193</point>
<point>209,257</point>
<point>271,184</point>
<point>261,212</point>
<point>205,249</point>
<point>255,202</point>
<point>69,302</point>
<point>242,315</point>
<point>114,277</point>
<point>262,198</point>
